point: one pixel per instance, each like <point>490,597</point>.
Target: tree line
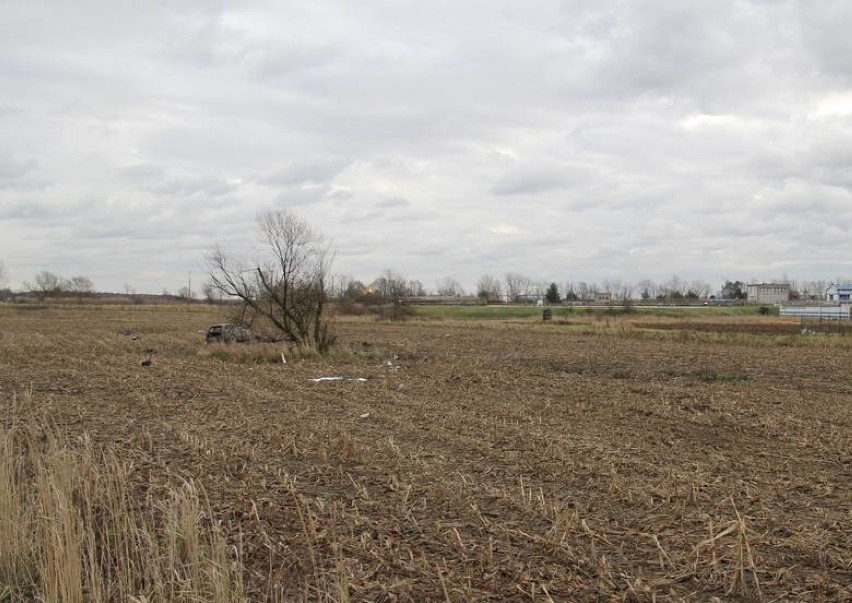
<point>515,287</point>
<point>512,287</point>
<point>47,284</point>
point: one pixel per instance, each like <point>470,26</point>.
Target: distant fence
<point>834,312</point>
<point>822,319</point>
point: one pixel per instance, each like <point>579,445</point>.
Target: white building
<point>839,292</point>
<point>767,293</point>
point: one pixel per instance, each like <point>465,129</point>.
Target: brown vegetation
<point>508,461</point>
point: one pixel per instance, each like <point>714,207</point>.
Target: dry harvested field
<point>498,461</point>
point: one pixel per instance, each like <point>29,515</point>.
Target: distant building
<point>603,297</point>
<point>528,298</point>
<point>767,293</point>
<point>839,292</point>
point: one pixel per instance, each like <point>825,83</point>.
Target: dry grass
<point>508,461</point>
<point>73,530</point>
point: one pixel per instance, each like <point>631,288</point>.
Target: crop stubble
<point>499,462</point>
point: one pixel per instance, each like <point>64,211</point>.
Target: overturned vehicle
<point>227,333</point>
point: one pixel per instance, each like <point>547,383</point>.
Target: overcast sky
<point>566,140</point>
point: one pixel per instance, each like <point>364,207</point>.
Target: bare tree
<point>700,288</point>
<point>338,283</point>
<point>517,286</point>
<point>674,288</point>
<point>392,289</point>
<point>392,286</point>
<point>80,286</point>
<point>621,290</point>
<point>647,289</point>
<point>186,294</point>
<point>353,289</point>
<point>287,286</point>
<point>45,284</point>
<point>211,294</point>
<point>450,287</point>
<point>814,289</point>
<point>415,288</point>
<point>2,274</point>
<point>489,288</point>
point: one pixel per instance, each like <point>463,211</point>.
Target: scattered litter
<point>283,358</point>
<point>318,379</point>
<point>392,367</point>
<point>364,416</point>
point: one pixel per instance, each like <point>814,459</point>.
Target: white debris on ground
<point>319,379</point>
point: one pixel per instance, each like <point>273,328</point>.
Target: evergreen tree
<point>552,295</point>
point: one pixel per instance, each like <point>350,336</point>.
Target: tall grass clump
<point>73,530</point>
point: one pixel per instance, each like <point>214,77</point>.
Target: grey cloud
<point>392,202</point>
<point>319,170</point>
<point>340,195</point>
<point>840,177</point>
<point>830,162</point>
<point>773,165</point>
<point>537,179</point>
<point>837,154</point>
<point>827,161</point>
<point>419,217</point>
<point>157,179</point>
<point>431,251</point>
<point>118,232</point>
<point>361,216</point>
<point>282,62</point>
<point>298,196</point>
<point>143,173</point>
<point>713,55</point>
<point>23,210</point>
<point>7,110</point>
<point>356,249</point>
<point>826,35</point>
<point>187,187</point>
<point>15,172</point>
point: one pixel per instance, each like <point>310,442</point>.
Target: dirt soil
<point>478,462</point>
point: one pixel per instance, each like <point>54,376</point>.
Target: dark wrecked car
<point>228,333</point>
